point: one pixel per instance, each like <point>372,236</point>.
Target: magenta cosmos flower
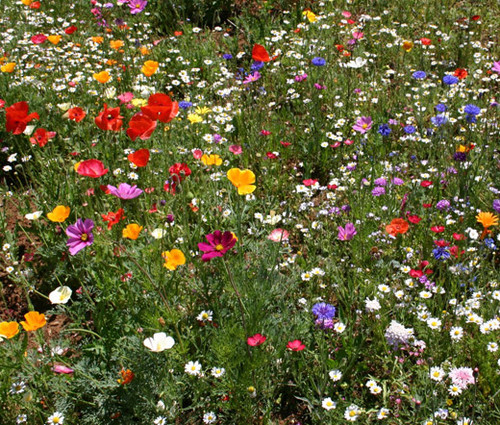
<point>80,235</point>
<point>346,233</point>
<point>218,244</point>
<point>125,191</point>
<point>363,124</point>
<point>137,6</point>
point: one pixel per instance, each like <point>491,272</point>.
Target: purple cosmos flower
<point>125,191</point>
<point>252,77</point>
<point>496,67</point>
<point>323,311</point>
<point>218,244</point>
<point>137,6</point>
<point>80,235</point>
<point>363,124</point>
<point>496,205</point>
<point>346,233</point>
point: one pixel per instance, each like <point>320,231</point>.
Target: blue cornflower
<point>471,109</point>
<point>323,311</point>
<point>384,130</point>
<point>450,80</point>
<point>256,66</point>
<point>441,253</point>
<point>419,75</point>
<point>490,243</point>
<point>441,107</point>
<point>471,118</point>
<point>317,61</point>
<point>439,120</point>
<point>409,129</point>
<point>227,56</point>
<point>184,104</point>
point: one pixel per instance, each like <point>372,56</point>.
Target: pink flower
<point>218,244</point>
<point>357,35</point>
<point>295,345</point>
<point>496,67</point>
<point>256,340</point>
<point>126,97</point>
<point>62,369</point>
<point>346,14</point>
<point>309,182</point>
<point>38,39</point>
<point>363,124</point>
<point>125,191</point>
<point>236,149</point>
<point>278,235</point>
<point>462,376</point>
<point>197,153</point>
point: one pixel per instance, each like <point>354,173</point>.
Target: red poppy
<point>426,183</point>
<point>339,47</point>
<point>397,225</point>
<point>70,30</point>
<point>35,5</point>
<point>426,41</point>
<point>92,168</point>
<point>476,18</point>
<point>295,345</point>
<point>415,219</point>
<point>458,237</point>
<point>153,209</point>
<point>140,126</point>
<point>41,137</point>
<point>256,340</point>
<point>259,53</point>
<point>17,117</point>
<point>180,170</point>
<point>39,39</point>
<point>271,155</point>
<point>427,205</point>
<point>76,114</point>
<point>460,73</point>
<point>113,217</point>
<point>416,273</point>
<point>160,107</point>
<point>454,250</point>
<point>197,153</point>
<point>285,144</point>
<point>139,158</point>
<point>2,103</point>
<point>105,188</point>
<point>177,33</point>
<point>437,229</point>
<point>309,182</point>
<point>109,119</point>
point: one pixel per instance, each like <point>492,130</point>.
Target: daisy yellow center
<point>219,247</point>
<point>84,237</point>
<point>365,125</point>
<point>56,420</point>
<point>352,413</point>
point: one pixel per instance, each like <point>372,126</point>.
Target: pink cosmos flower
<point>363,124</point>
<point>252,77</point>
<point>125,191</point>
<point>279,235</point>
<point>256,340</point>
<point>496,67</point>
<point>295,345</point>
<point>218,244</point>
<point>38,39</point>
<point>62,369</point>
<point>236,149</point>
<point>126,97</point>
<point>80,235</point>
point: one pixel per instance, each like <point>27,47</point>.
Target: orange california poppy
<point>34,321</point>
<point>398,225</point>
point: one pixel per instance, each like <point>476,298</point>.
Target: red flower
<point>70,30</point>
<point>426,41</point>
<point>309,182</point>
<point>416,273</point>
<point>177,33</point>
<point>259,53</point>
<point>455,251</point>
<point>427,205</point>
<point>426,183</point>
<point>458,237</point>
<point>160,107</point>
<point>41,137</point>
<point>476,18</point>
<point>113,217</point>
<point>76,114</point>
<point>437,229</point>
<point>2,103</point>
<point>139,158</point>
<point>442,243</point>
<point>460,73</point>
<point>35,5</point>
<point>109,119</point>
<point>17,117</point>
<point>92,168</point>
<point>295,345</point>
<point>256,340</point>
<point>39,39</point>
<point>271,155</point>
<point>140,126</point>
<point>397,226</point>
<point>285,144</point>
<point>415,219</point>
<point>180,170</point>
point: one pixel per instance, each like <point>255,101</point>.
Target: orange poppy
<point>34,321</point>
<point>9,329</point>
<point>398,225</point>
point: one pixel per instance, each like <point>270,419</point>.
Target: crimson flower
<point>160,107</point>
<point>39,39</point>
<point>76,114</point>
<point>437,229</point>
<point>113,217</point>
<point>256,340</point>
<point>218,244</point>
<point>140,126</point>
<point>295,345</point>
<point>415,219</point>
<point>139,158</point>
<point>109,119</point>
<point>17,117</point>
<point>41,137</point>
<point>91,168</point>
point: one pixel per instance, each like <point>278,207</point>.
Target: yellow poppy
<point>59,214</point>
<point>211,159</point>
<point>242,179</point>
<point>173,258</point>
<point>54,39</point>
<point>132,231</point>
<point>34,321</point>
<point>149,68</point>
<point>8,67</point>
<point>102,77</point>
<point>9,329</point>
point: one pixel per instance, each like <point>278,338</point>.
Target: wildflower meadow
<point>279,212</point>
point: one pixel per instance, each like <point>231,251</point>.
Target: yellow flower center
<point>219,247</point>
<point>352,413</point>
<point>84,237</point>
<point>365,125</point>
